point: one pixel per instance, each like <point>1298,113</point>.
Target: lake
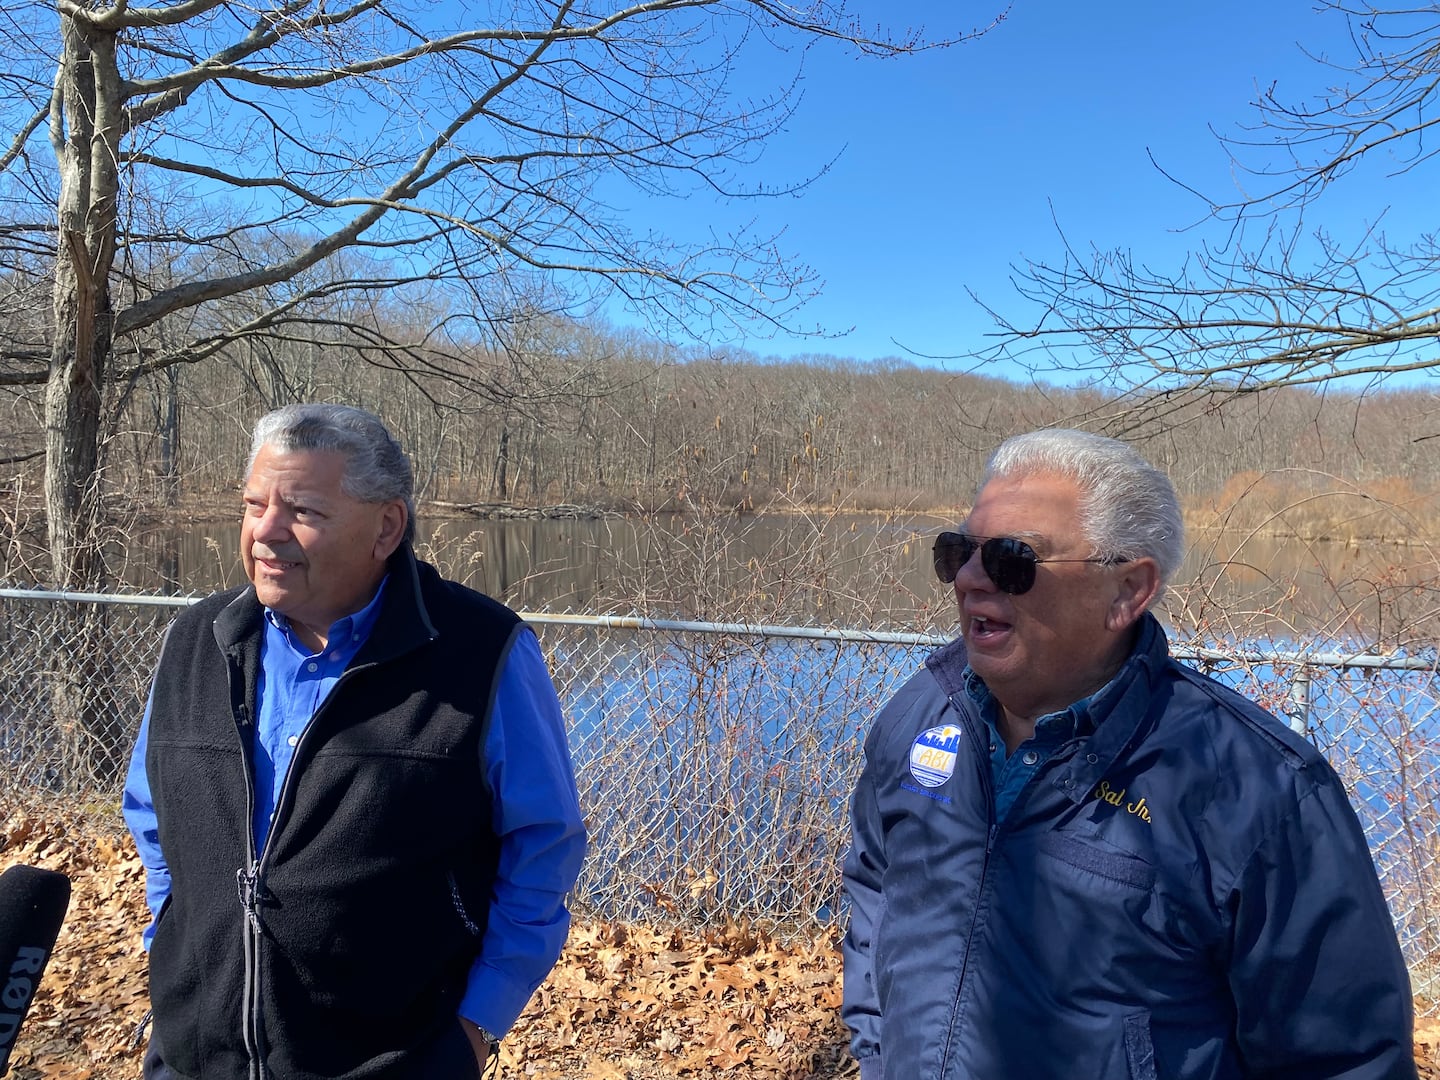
<point>847,569</point>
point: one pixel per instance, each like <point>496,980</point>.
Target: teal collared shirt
<point>1009,773</point>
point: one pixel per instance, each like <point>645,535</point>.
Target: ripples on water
<point>855,570</point>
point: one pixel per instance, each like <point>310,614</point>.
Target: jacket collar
<point>404,621</point>
<point>1122,713</point>
<point>1119,714</point>
<point>948,664</point>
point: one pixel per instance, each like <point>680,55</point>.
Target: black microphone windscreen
<point>32,907</point>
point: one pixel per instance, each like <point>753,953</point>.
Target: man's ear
<point>1137,584</point>
<point>393,519</point>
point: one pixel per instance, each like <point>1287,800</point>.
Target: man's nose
<point>271,525</point>
<point>972,575</point>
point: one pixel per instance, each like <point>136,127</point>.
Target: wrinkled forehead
<point>296,471</point>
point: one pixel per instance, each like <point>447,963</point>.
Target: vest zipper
<point>250,878</point>
<point>247,885</point>
<point>250,1019</point>
<point>252,887</point>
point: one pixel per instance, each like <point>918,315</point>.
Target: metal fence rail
<point>715,760</point>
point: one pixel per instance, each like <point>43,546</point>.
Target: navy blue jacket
<point>1182,893</point>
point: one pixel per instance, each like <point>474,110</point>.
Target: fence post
<point>1297,706</point>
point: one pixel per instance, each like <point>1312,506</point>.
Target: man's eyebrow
<point>1030,537</point>
<point>291,498</point>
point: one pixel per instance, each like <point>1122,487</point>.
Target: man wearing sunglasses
<point>1073,856</point>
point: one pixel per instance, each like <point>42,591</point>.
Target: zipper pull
<point>247,880</point>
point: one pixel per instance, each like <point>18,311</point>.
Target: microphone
<point>32,907</point>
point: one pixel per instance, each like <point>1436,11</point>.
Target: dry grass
<point>1310,505</point>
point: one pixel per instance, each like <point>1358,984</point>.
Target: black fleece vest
<point>372,893</point>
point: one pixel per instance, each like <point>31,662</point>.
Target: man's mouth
<point>983,628</point>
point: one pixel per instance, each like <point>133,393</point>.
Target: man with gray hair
<point>351,791</point>
<point>1073,856</point>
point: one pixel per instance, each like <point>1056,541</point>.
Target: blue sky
<point>953,160</point>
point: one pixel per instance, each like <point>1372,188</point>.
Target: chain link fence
<point>715,761</point>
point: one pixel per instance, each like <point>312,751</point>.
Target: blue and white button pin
<point>932,755</point>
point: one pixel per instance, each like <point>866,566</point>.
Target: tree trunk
<point>170,438</point>
<point>501,489</point>
<point>72,433</point>
<point>86,140</point>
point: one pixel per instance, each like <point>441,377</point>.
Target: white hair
<point>376,469</point>
<point>1128,508</point>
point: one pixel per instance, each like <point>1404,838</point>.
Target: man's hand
<point>478,1042</point>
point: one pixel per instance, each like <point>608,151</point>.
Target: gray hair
<point>1128,508</point>
<point>376,469</point>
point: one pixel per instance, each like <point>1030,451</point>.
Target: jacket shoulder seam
<point>1237,707</point>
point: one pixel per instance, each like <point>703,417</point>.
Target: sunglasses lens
<point>1007,562</point>
<point>1010,564</point>
<point>952,551</point>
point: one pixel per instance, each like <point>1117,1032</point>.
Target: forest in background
<point>616,421</point>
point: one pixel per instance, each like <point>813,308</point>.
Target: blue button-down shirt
<point>293,684</point>
<point>535,810</point>
<point>1010,772</point>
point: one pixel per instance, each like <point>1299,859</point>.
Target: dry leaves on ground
<point>624,1002</point>
<point>1427,1047</point>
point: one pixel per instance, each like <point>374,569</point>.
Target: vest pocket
<point>473,927</point>
<point>178,996</point>
<point>448,1055</point>
<point>1139,1050</point>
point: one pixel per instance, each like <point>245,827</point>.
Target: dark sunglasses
<point>1008,562</point>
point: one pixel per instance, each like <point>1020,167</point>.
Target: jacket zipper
<point>982,758</point>
<point>250,998</point>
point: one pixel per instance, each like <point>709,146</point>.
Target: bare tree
<point>1270,300</point>
<point>253,145</point>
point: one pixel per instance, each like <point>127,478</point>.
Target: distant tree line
<point>585,413</point>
